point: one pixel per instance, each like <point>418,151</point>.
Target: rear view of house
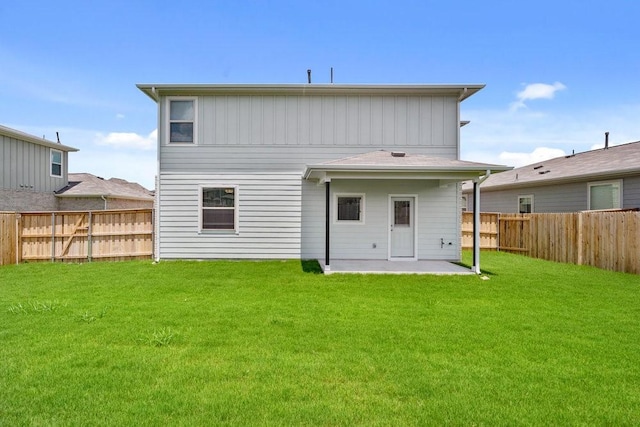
<point>367,172</point>
<point>32,170</point>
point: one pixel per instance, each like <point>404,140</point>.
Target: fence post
<point>89,243</point>
<point>579,260</point>
<point>53,236</point>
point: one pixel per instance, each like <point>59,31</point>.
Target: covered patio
<point>377,171</point>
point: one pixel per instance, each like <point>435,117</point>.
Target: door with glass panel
<point>402,227</point>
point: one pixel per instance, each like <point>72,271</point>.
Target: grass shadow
<point>311,266</point>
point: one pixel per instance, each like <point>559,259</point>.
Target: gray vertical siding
<point>27,166</point>
<point>289,132</point>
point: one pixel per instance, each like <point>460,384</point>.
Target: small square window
<point>350,208</point>
<point>182,114</point>
<point>605,195</point>
<point>525,204</point>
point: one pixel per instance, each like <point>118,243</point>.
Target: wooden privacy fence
<point>608,240</point>
<point>79,236</point>
<point>8,238</point>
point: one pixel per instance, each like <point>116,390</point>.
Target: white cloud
<point>538,155</point>
<point>492,133</point>
<point>119,116</point>
<point>536,91</point>
<point>128,140</point>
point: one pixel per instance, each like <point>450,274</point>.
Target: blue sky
<point>558,73</point>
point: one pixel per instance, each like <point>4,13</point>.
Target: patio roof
<point>399,165</point>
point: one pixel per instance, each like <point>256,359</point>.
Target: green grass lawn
<point>275,343</point>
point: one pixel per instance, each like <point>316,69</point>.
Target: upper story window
<point>56,163</point>
<point>182,120</point>
<point>605,195</point>
<point>525,204</point>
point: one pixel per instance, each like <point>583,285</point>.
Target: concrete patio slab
<point>393,267</point>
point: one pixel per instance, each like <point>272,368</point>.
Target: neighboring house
<point>607,178</point>
<point>32,170</point>
<point>90,192</point>
<point>358,172</point>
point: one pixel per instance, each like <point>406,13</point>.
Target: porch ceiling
<point>398,165</point>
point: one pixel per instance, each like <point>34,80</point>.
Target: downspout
<point>476,221</point>
<point>105,202</point>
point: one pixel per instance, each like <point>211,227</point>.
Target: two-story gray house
<point>327,172</point>
<point>32,170</point>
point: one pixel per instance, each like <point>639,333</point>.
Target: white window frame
<point>168,120</point>
<point>236,208</point>
<point>617,182</point>
<point>522,196</point>
<point>336,196</point>
<point>464,203</point>
<point>51,163</point>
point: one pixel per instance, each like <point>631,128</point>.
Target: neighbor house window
<point>56,163</point>
<point>349,208</point>
<point>605,195</point>
<point>525,204</point>
<point>182,117</point>
<point>219,208</point>
<point>463,203</point>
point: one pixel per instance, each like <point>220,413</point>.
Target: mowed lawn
<point>275,343</point>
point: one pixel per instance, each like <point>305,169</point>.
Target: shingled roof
<point>88,185</point>
<point>612,162</point>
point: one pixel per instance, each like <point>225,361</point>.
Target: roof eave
<point>462,91</point>
<point>16,134</point>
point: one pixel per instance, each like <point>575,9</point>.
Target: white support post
<point>476,228</point>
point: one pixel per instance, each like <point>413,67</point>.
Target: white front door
<point>402,229</point>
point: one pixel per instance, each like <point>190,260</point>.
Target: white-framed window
<point>525,204</point>
<point>605,195</point>
<point>181,120</point>
<point>464,203</point>
<point>349,208</point>
<point>219,208</point>
<point>56,163</point>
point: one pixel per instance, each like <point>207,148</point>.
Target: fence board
<point>8,237</point>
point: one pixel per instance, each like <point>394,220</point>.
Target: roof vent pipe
<point>606,140</point>
<point>309,76</point>
<point>331,75</point>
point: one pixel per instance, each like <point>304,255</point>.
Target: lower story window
<point>219,208</point>
<point>525,204</point>
<point>350,208</point>
<point>605,195</point>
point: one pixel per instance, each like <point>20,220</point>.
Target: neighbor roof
<point>612,162</point>
<point>16,134</point>
<point>395,162</point>
<point>463,91</point>
<point>88,185</point>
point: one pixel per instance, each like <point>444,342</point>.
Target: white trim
<point>51,151</point>
<point>522,196</point>
<point>415,226</point>
<point>167,117</point>
<point>348,222</point>
<point>601,183</point>
<point>236,208</point>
